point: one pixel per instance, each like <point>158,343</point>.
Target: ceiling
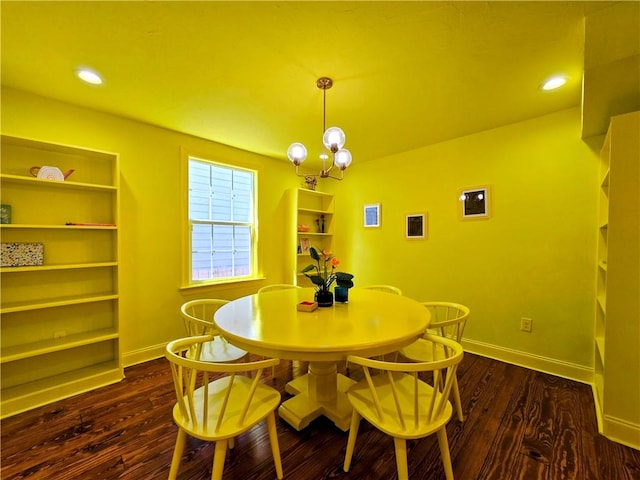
<point>406,74</point>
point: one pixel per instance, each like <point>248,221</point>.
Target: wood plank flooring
<point>519,424</point>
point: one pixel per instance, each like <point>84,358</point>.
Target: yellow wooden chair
<point>277,286</point>
<point>215,407</point>
<point>447,320</point>
<point>381,288</point>
<point>384,288</point>
<point>198,320</point>
<point>270,288</point>
<point>401,405</point>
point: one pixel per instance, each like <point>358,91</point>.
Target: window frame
<point>187,223</point>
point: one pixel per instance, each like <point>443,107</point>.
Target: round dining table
<point>371,323</point>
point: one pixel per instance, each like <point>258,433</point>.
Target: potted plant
<point>324,275</point>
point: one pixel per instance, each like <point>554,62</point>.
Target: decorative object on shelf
<point>372,215</point>
<point>320,224</point>
<point>474,202</point>
<point>73,224</point>
<point>50,173</point>
<point>333,141</point>
<point>311,182</point>
<point>303,228</point>
<point>416,225</point>
<point>22,254</point>
<point>325,275</point>
<point>5,214</point>
<point>305,245</point>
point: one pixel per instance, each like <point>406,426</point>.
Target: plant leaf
<point>316,279</point>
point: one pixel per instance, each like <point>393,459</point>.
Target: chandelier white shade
<point>333,141</point>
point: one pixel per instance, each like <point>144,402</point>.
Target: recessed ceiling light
<point>89,76</point>
<point>554,82</point>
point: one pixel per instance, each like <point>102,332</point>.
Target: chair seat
<point>219,350</point>
<point>265,400</point>
<point>361,399</point>
<point>420,351</point>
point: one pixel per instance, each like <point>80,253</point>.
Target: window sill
<point>226,282</point>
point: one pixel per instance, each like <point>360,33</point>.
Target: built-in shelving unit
<point>315,210</point>
<point>60,320</point>
<point>617,327</point>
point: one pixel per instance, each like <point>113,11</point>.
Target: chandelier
<point>333,140</point>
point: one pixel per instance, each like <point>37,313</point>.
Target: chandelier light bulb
<point>297,153</point>
<point>333,139</point>
<point>342,158</point>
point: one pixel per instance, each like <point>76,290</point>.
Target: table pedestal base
<point>320,392</point>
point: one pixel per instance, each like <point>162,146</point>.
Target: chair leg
<point>219,456</point>
<point>456,399</point>
<point>232,443</point>
<point>444,453</point>
<point>351,442</point>
<point>177,454</point>
<point>401,458</point>
<point>275,446</point>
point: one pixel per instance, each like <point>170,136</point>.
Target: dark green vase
<point>324,298</point>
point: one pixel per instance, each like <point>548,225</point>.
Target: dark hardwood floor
<point>519,424</point>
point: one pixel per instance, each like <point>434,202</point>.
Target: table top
<point>371,323</point>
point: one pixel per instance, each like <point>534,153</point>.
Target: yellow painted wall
<point>534,258</point>
<point>150,234</point>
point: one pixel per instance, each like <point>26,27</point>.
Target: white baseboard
<point>572,371</point>
<point>621,431</point>
<point>143,355</point>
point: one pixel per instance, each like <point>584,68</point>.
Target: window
<point>221,221</point>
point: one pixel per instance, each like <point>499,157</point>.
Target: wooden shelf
<point>66,266</point>
<point>74,296</point>
<point>75,300</point>
<point>62,227</point>
<point>304,208</point>
<point>617,370</point>
<point>314,211</point>
<point>602,303</point>
<point>28,350</point>
<point>600,348</point>
<point>19,179</point>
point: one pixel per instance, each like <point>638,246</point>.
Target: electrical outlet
<point>59,334</point>
<point>526,324</point>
